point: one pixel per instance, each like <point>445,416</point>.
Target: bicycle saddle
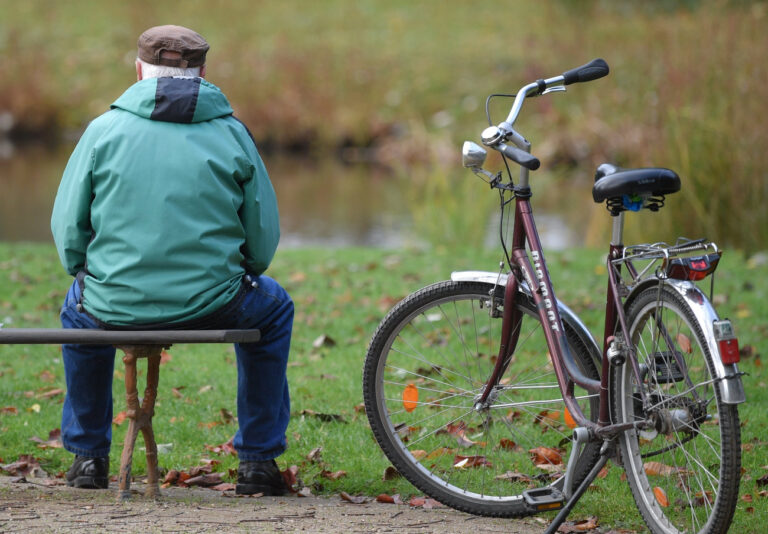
<point>614,182</point>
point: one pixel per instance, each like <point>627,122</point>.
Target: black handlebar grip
<point>520,156</point>
<point>597,68</point>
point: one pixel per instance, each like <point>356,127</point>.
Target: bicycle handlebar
<point>597,68</point>
<point>519,156</point>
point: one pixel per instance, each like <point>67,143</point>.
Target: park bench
<point>135,344</point>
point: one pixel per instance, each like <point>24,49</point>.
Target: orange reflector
<point>661,496</point>
<point>569,420</point>
<point>410,398</point>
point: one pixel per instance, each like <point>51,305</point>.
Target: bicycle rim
<point>426,366</point>
<point>684,473</point>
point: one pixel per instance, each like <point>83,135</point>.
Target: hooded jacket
<point>164,204</point>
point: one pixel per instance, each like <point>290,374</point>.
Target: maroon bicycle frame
<point>537,277</point>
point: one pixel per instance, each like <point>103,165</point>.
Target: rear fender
<point>731,388</point>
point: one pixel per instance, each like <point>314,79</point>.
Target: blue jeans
<point>263,402</point>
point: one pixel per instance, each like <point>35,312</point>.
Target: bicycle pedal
<point>543,499</point>
<point>666,368</point>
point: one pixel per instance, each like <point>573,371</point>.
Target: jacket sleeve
<point>259,216</point>
<point>71,221</point>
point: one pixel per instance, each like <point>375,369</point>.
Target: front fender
<point>566,314</point>
<point>731,388</point>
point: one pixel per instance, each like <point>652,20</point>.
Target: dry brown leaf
<point>354,499</point>
<point>661,496</point>
<point>545,455</point>
<point>335,475</point>
<point>462,462</point>
<point>119,418</point>
<point>390,473</point>
<point>315,455</point>
<point>684,343</point>
<point>387,499</point>
<point>583,525</point>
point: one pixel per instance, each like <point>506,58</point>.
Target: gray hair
<point>148,70</point>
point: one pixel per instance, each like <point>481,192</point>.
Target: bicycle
<point>465,406</point>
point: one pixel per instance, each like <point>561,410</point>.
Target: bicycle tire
<point>438,344</point>
<point>684,473</point>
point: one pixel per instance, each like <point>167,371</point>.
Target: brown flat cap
<point>188,48</point>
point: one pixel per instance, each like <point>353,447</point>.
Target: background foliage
<point>401,82</point>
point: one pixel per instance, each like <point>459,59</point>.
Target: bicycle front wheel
<point>426,367</point>
<point>683,472</point>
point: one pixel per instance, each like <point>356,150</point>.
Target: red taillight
<point>693,269</point>
<point>729,351</point>
<point>726,339</point>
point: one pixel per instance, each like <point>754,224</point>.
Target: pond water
<point>322,202</point>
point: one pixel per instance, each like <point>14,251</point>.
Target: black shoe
<point>91,473</point>
<point>260,477</point>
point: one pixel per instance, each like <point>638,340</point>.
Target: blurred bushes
<point>687,88</point>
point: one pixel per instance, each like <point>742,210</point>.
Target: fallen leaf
<point>53,441</point>
<point>290,476</point>
<point>335,475</point>
<point>579,526</point>
<point>356,499</point>
<point>684,343</point>
<point>762,481</point>
<point>224,486</point>
<point>205,388</point>
<point>212,479</point>
<point>327,417</point>
<point>315,455</point>
<point>224,448</point>
<point>507,444</point>
<point>746,497</point>
<point>545,455</point>
<point>461,462</point>
<point>323,341</point>
<point>417,501</point>
<point>659,469</point>
<point>177,392</point>
<point>390,473</point>
<point>387,499</point>
<point>26,465</point>
<point>661,496</point>
<point>165,357</point>
<point>304,492</point>
<point>50,393</point>
<point>514,476</point>
<point>9,410</point>
<point>119,418</point>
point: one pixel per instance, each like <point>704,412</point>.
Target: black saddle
<point>633,188</point>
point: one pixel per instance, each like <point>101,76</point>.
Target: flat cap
<point>187,47</point>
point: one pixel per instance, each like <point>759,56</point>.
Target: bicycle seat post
<point>617,235</point>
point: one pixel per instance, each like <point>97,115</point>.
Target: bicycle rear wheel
<point>684,473</point>
<point>426,365</point>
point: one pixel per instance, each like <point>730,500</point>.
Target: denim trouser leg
<point>263,402</point>
<point>86,417</point>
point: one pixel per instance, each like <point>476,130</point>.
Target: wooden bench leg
<point>140,417</point>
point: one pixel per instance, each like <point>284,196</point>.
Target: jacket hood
<point>174,100</point>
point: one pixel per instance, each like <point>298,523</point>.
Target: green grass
<point>342,294</point>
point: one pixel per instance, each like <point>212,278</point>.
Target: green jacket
<point>165,203</point>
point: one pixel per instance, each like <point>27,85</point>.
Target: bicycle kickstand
<point>579,439</point>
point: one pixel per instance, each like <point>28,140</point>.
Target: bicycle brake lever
<point>555,89</point>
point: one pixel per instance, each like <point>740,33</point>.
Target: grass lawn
<point>340,296</point>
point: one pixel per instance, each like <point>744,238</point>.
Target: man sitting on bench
<point>167,218</point>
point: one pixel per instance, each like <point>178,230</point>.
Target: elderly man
<point>167,218</point>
